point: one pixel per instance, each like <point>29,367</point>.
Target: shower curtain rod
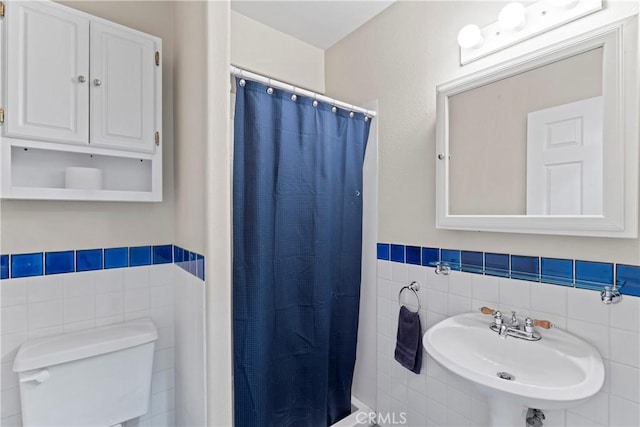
<point>238,72</point>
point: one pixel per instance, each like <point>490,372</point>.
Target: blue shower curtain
<point>297,236</point>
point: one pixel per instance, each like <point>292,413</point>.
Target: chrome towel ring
<point>413,286</point>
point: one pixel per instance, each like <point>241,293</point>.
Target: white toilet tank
<point>98,377</point>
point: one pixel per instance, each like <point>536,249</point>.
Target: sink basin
<point>559,371</point>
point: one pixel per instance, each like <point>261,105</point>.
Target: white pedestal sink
<point>559,371</point>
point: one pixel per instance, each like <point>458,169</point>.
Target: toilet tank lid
<point>48,351</point>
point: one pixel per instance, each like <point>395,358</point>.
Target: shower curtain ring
<point>269,89</point>
<point>243,82</point>
<point>315,100</point>
<point>334,109</point>
<point>294,97</point>
<point>351,113</point>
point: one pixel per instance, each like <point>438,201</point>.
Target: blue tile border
<point>556,271</point>
<point>13,266</point>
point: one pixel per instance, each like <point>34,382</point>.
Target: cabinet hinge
<point>157,138</point>
<point>157,58</point>
<point>1,115</point>
<point>1,9</point>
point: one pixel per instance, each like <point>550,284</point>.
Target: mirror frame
<point>620,91</point>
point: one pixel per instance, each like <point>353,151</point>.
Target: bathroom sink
<point>558,371</point>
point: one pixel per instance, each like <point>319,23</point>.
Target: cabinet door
<point>47,73</point>
<point>122,88</point>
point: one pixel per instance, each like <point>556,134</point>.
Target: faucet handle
<point>497,317</point>
<point>545,324</point>
<point>528,325</point>
<point>487,310</point>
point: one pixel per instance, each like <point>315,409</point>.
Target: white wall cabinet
<point>78,91</point>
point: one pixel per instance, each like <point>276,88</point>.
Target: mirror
<point>545,143</point>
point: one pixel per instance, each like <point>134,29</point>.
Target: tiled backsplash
<point>566,272</point>
<point>436,397</point>
<point>47,263</point>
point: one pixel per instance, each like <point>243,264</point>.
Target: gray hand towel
<point>408,347</point>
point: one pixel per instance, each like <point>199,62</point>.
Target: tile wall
<point>438,398</point>
<point>59,292</point>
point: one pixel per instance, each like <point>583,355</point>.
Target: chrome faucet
<point>513,329</point>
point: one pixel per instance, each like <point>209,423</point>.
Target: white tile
<point>516,293</point>
<point>13,292</point>
<point>162,401</point>
<point>46,332</point>
<point>46,314</point>
<point>486,288</point>
<point>136,299</point>
<point>162,317</point>
<point>437,391</point>
<point>596,408</point>
<point>133,315</point>
<point>108,305</point>
<point>13,319</point>
<point>437,282</point>
<point>415,402</point>
<point>8,378</point>
<point>455,419</point>
<point>625,314</point>
<point>437,413</point>
<point>111,320</point>
<point>79,309</point>
<point>163,380</point>
<point>625,381</point>
<point>414,416</point>
<point>458,305</point>
<point>165,338</point>
<point>160,296</point>
<point>9,345</point>
<point>136,277</point>
<point>623,412</point>
<point>434,370</point>
<point>625,347</point>
<point>165,419</point>
<point>555,418</point>
<point>458,401</point>
<point>586,305</point>
<point>12,421</point>
<point>433,318</point>
<point>549,299</point>
<point>9,402</point>
<point>78,284</point>
<point>460,283</point>
<point>79,326</point>
<point>384,269</point>
<point>418,382</point>
<point>399,272</point>
<point>436,301</point>
<point>480,412</point>
<point>161,274</point>
<point>109,281</point>
<point>384,288</point>
<point>163,359</point>
<point>45,288</point>
<point>417,273</point>
<point>575,420</point>
<point>597,335</point>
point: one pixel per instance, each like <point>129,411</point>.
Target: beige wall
<point>398,58</point>
<point>191,123</point>
<point>55,225</point>
<point>263,50</point>
<point>488,132</point>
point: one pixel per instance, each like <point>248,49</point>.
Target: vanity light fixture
<point>565,4</point>
<point>512,17</point>
<point>470,37</point>
<point>517,23</point>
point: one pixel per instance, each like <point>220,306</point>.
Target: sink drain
<point>505,376</point>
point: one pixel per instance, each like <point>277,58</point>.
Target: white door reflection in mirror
<point>564,159</point>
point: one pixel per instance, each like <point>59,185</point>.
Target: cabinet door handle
<point>97,82</point>
<point>82,79</point>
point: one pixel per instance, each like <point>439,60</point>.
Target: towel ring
<point>413,286</point>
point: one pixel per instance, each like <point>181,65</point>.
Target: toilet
<point>98,377</point>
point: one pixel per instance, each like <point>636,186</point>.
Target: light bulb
<point>512,16</point>
<point>565,4</point>
<point>470,37</point>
